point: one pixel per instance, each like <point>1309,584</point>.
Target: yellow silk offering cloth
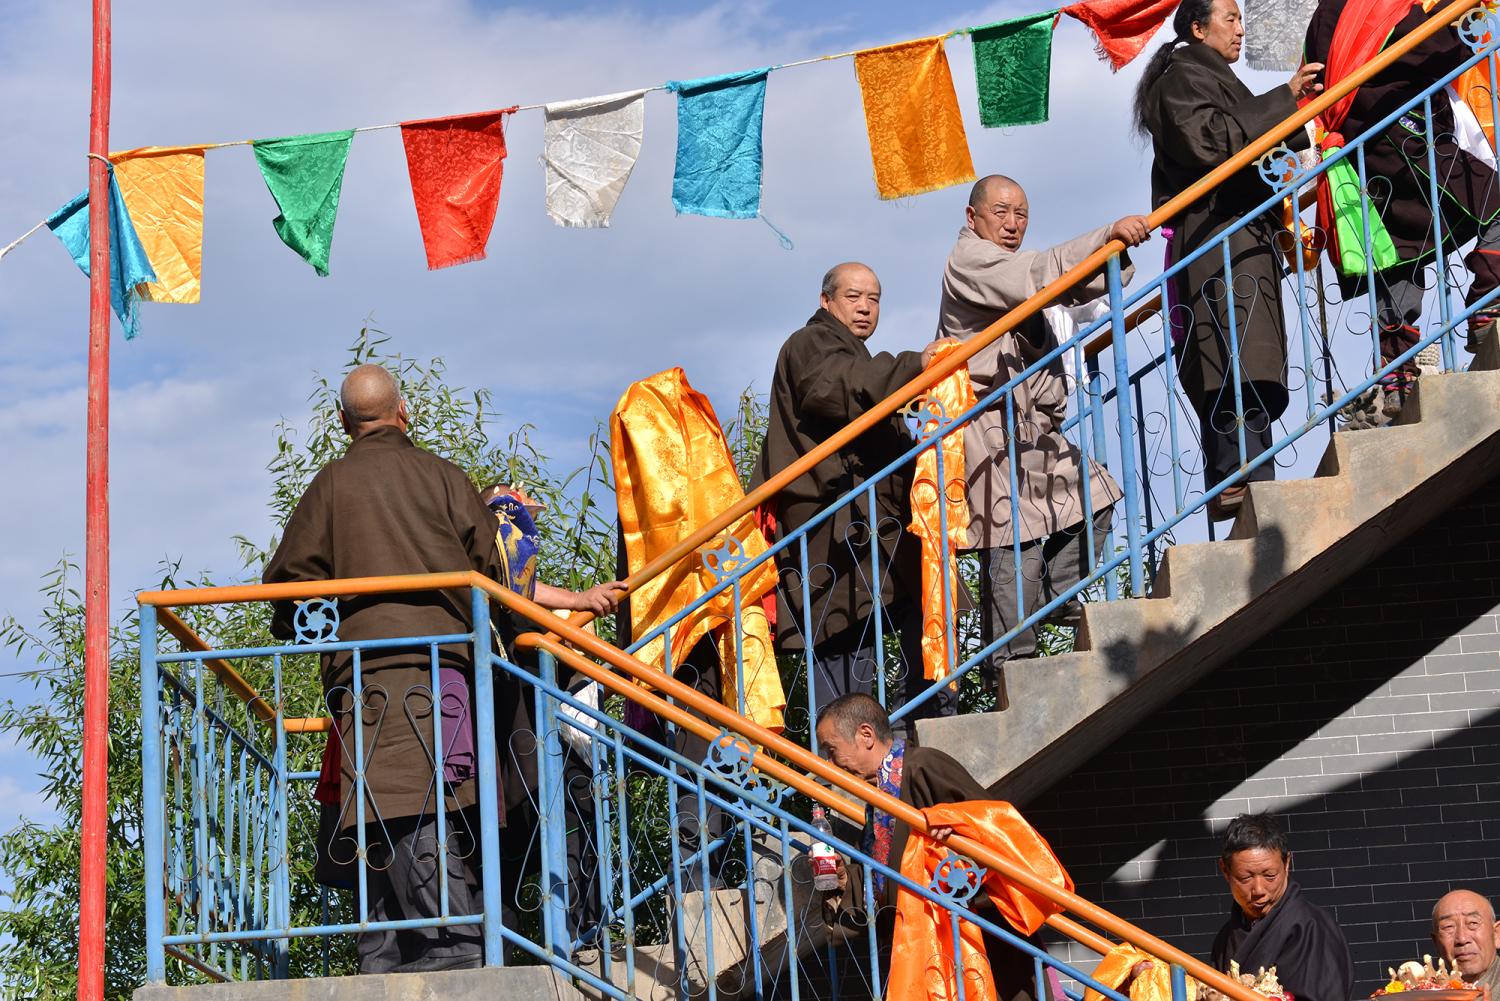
<point>1154,984</point>
<point>673,473</point>
<point>922,948</point>
<point>951,397</point>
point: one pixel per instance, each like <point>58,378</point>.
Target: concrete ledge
<point>511,983</point>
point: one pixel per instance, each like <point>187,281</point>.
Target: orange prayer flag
<point>917,138</point>
<point>163,191</point>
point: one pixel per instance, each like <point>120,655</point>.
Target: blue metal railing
<point>1147,431</point>
<point>222,885</point>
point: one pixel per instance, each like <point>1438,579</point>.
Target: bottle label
<point>824,860</point>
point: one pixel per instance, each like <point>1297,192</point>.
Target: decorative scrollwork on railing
<point>725,559</point>
<point>317,621</point>
<point>1280,168</point>
<point>1477,28</point>
<point>924,411</point>
<point>731,759</point>
<point>956,879</point>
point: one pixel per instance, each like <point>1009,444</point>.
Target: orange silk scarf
<point>954,395</point>
<point>922,964</point>
<point>1153,985</point>
<point>673,472</point>
<point>917,139</point>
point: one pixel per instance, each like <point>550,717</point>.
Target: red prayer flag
<point>1121,27</point>
<point>456,165</point>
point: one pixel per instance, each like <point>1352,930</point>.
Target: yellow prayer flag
<point>163,192</point>
<point>916,131</point>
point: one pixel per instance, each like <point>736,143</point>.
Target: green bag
<point>1343,183</point>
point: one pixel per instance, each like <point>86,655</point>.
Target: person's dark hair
<point>847,712</point>
<point>1189,13</point>
<point>1250,831</point>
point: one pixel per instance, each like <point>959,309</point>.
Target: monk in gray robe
<point>388,507</point>
<point>826,377</point>
<point>987,275</point>
<point>1465,931</point>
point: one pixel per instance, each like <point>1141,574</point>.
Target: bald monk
<point>1464,928</point>
<point>388,507</point>
<point>826,377</point>
<point>988,275</point>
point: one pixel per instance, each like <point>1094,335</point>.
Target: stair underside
<point>1292,541</point>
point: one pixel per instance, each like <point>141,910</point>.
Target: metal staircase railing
<point>227,879</point>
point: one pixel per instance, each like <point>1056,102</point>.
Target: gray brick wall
<point>1370,723</point>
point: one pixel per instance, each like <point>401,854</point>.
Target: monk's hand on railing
<point>940,834</point>
<point>1304,81</point>
<point>601,599</point>
<point>931,349</point>
<point>1133,230</point>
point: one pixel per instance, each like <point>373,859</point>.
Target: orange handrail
<point>941,368</point>
<point>718,716</point>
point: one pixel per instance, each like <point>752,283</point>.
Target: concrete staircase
<point>1292,541</point>
<point>717,940</point>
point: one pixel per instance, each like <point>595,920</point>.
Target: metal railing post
<point>1131,487</point>
<point>152,805</point>
<point>553,809</point>
<point>489,803</point>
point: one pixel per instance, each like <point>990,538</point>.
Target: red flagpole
<point>91,868</point>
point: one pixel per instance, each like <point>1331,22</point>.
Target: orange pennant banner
<point>916,131</point>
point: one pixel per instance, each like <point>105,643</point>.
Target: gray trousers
<point>1049,566</point>
<point>403,883</point>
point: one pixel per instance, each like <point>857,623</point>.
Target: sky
<point>556,322</point>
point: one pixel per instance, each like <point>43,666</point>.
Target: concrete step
<point>1291,541</point>
<point>513,983</point>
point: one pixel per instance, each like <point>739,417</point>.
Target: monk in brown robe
<point>388,507</point>
<point>1198,114</point>
<point>987,275</point>
<point>855,734</point>
<point>825,377</point>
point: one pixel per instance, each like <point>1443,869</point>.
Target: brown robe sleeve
<point>1203,132</point>
<point>836,381</point>
<point>305,552</point>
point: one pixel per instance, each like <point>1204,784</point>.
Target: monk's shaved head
<point>838,276</point>
<point>1463,926</point>
<point>980,194</point>
<point>369,394</point>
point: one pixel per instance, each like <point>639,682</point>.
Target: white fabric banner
<point>589,148</point>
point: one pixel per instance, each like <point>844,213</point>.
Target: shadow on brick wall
<point>1370,722</point>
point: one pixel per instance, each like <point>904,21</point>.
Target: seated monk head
<point>1464,928</point>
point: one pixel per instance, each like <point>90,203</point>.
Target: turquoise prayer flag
<point>719,144</point>
<point>129,267</point>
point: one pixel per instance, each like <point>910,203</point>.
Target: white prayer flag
<point>1274,32</point>
<point>589,148</point>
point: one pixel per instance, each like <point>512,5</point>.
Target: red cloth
<point>327,789</point>
<point>1363,28</point>
<point>455,166</point>
<point>1121,27</point>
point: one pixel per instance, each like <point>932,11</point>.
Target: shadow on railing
<point>228,884</point>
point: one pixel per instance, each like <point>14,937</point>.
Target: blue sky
<point>557,322</point>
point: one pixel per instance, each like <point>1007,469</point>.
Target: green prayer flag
<point>305,175</point>
<point>1349,221</point>
<point>1013,66</point>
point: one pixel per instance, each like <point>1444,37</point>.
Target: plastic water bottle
<point>825,862</point>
